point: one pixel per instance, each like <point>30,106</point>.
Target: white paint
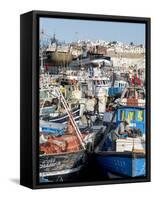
<point>129,144</point>
<point>132,124</point>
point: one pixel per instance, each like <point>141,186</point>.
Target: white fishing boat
<point>133,96</point>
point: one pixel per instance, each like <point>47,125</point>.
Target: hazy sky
<point>72,30</point>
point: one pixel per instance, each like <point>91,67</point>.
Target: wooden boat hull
<point>129,164</point>
<point>57,166</point>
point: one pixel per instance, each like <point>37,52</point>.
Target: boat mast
<point>107,130</point>
<point>75,126</point>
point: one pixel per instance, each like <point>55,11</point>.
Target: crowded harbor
<point>92,117</point>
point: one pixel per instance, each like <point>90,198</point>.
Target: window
<point>122,115</point>
<point>140,116</point>
<point>131,115</point>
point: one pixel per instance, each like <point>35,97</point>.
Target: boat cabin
<point>135,115</point>
<point>118,87</point>
<point>134,96</point>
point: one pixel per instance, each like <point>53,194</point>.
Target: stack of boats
<point>62,145</point>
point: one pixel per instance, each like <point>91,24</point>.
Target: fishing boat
<point>63,155</point>
<point>125,156</point>
<point>102,85</point>
<point>50,128</point>
<point>60,166</point>
<point>51,109</point>
<point>117,88</point>
<point>134,96</point>
<point>122,164</point>
<point>58,54</point>
<point>63,118</point>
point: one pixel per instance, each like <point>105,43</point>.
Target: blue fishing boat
<point>117,88</point>
<point>55,129</point>
<point>131,164</point>
<point>126,155</point>
<point>63,119</point>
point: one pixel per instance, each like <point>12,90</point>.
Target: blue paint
<point>114,90</point>
<point>53,131</point>
<point>127,166</point>
<point>139,167</point>
<point>134,123</point>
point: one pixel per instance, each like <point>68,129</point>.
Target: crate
<point>130,144</point>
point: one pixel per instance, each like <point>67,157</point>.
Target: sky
<point>72,30</point>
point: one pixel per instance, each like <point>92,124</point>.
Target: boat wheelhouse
<point>133,96</point>
<point>118,88</point>
<point>135,115</point>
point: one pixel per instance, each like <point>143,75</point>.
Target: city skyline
<point>70,30</point>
